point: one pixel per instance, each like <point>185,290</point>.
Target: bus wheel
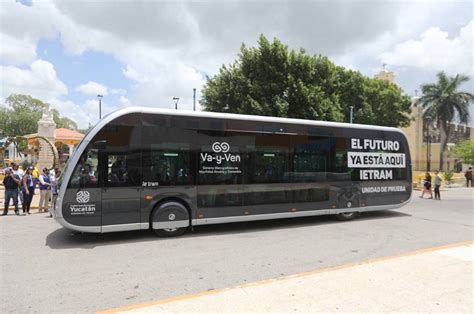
<point>347,216</point>
<point>347,203</point>
<point>170,219</point>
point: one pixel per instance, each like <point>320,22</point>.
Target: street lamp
<point>351,113</point>
<point>100,105</point>
<point>428,143</point>
<point>176,100</point>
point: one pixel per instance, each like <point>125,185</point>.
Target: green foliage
<point>465,151</point>
<point>443,102</point>
<point>21,116</point>
<point>270,80</point>
<point>448,176</point>
<point>22,144</point>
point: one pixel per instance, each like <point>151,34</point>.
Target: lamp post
<point>176,100</point>
<point>351,113</point>
<point>194,99</point>
<point>100,105</point>
<point>428,143</point>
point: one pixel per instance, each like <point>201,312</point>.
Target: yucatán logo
<point>83,196</point>
<point>221,154</point>
<point>83,209</point>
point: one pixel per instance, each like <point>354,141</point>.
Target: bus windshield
<point>85,173</point>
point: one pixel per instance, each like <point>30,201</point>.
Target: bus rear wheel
<point>347,216</point>
<point>348,203</point>
<point>173,214</point>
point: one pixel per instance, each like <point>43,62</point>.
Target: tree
<point>443,103</point>
<point>383,104</point>
<point>22,113</point>
<point>270,80</point>
<point>465,151</point>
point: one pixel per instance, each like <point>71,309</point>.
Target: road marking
<point>452,250</point>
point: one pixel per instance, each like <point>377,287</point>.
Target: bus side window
<point>168,167</point>
<point>123,170</point>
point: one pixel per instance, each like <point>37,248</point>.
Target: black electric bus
<point>167,170</point>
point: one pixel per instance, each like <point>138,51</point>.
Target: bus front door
<point>120,192</point>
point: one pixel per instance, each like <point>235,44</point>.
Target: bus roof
<point>219,115</point>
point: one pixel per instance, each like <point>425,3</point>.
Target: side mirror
<point>100,144</point>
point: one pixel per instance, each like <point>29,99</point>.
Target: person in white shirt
<point>20,173</point>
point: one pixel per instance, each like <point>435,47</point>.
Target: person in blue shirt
<point>28,189</point>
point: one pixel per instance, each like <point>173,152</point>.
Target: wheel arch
<point>168,199</point>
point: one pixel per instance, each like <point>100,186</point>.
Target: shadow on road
<point>66,239</point>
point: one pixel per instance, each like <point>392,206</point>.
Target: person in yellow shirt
<point>35,173</point>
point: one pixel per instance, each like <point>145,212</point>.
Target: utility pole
<point>194,99</point>
<point>351,113</point>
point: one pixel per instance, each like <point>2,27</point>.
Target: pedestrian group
<point>21,185</point>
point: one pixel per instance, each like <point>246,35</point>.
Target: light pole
<point>100,105</point>
<point>176,99</point>
<point>428,143</point>
<point>351,113</point>
<point>194,99</point>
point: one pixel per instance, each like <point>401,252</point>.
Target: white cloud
<point>166,46</point>
<point>124,101</point>
<point>17,50</point>
<point>118,91</point>
<point>40,81</point>
<point>435,51</point>
<point>92,89</point>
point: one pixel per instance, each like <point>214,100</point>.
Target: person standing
<point>35,173</point>
<point>20,173</point>
<point>11,183</point>
<point>468,176</point>
<point>437,184</point>
<point>427,185</point>
<point>45,190</point>
<point>28,188</point>
<point>54,189</point>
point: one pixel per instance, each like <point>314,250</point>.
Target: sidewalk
<point>433,280</point>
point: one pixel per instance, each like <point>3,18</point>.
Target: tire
<point>348,203</point>
<point>347,216</point>
<point>170,207</point>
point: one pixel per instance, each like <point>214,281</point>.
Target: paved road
<point>47,268</point>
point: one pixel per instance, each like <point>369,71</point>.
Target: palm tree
<point>442,103</point>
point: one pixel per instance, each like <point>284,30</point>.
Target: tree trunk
<point>444,136</point>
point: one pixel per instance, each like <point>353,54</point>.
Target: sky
<point>146,52</point>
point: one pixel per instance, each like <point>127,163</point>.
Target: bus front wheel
<point>170,219</point>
